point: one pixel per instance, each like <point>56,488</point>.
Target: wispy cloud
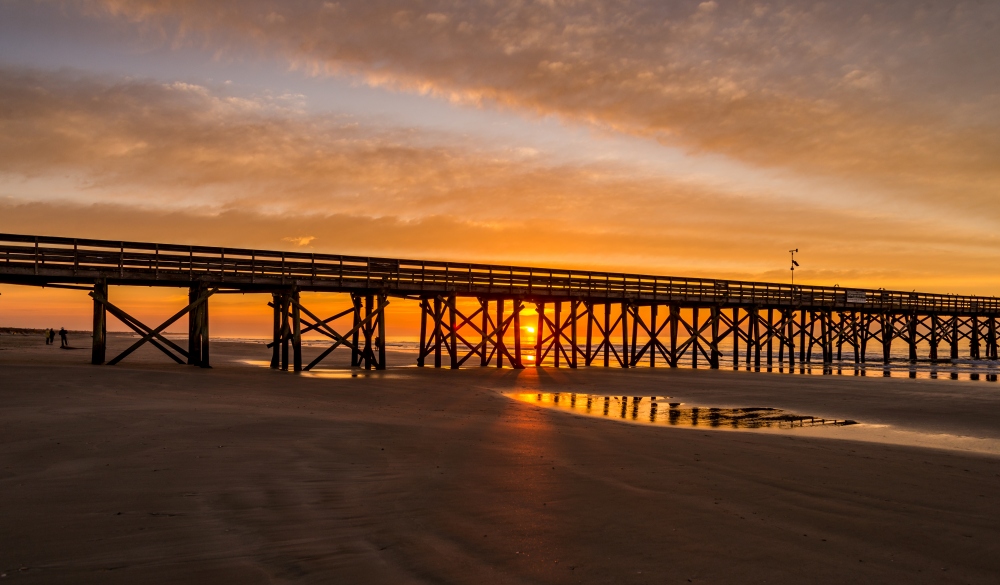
<point>299,241</point>
<point>899,95</point>
<point>188,163</point>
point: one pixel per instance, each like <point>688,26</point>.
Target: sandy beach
<point>150,472</point>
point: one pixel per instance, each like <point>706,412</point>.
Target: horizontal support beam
<point>45,261</point>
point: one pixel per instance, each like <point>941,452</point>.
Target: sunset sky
<point>669,137</point>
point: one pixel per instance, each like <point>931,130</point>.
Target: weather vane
<point>794,264</point>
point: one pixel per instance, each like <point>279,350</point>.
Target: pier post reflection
<point>677,414</point>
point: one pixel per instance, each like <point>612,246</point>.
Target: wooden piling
<point>935,325</point>
<point>790,339</point>
<point>501,348</point>
<point>574,307</point>
<point>194,328</point>
<point>770,337</point>
<point>382,302</point>
<point>205,361</point>
<point>911,334</point>
<point>422,354</point>
<point>991,339</point>
<point>736,338</point>
<point>285,331</point>
<point>276,332</point>
<point>635,335</point>
<point>856,320</point>
<point>367,353</point>
<point>625,348</point>
<point>607,334</point>
<point>653,336</point>
<point>557,333</point>
<point>484,305</point>
<point>888,332</point>
<point>356,336</point>
<point>673,318</point>
<point>714,362</point>
<point>437,332</point>
<point>954,337</point>
<point>98,351</point>
<point>802,337</point>
<point>539,332</point>
<point>696,336</point>
<point>518,306</point>
<point>452,334</point>
<point>974,338</point>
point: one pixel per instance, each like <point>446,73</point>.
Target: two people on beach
<point>50,337</point>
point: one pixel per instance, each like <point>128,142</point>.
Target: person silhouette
<point>63,342</point>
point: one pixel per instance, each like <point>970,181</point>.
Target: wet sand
<point>149,472</point>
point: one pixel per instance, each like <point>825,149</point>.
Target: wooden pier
<point>583,318</point>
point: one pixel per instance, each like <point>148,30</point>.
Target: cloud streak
<point>174,162</point>
<point>902,96</point>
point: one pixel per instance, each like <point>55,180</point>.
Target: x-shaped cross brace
<point>152,336</point>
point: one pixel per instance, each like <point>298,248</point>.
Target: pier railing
<point>43,260</point>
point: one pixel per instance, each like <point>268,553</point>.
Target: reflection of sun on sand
<point>150,472</point>
<point>659,410</point>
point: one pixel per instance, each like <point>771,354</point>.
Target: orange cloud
<point>899,95</point>
<point>184,163</point>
